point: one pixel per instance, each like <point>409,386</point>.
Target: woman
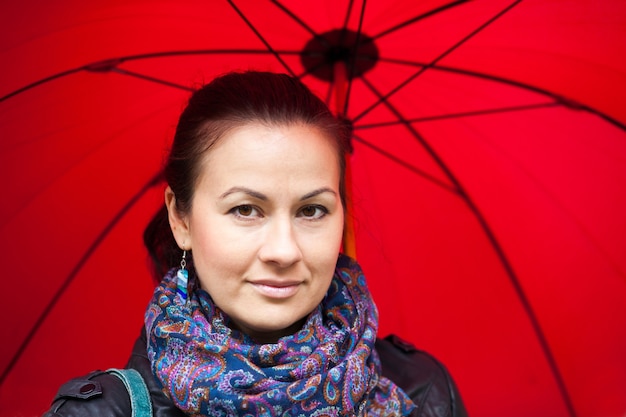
<point>258,313</point>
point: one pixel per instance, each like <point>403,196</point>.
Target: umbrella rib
<point>461,114</point>
<point>417,18</point>
<point>306,27</point>
<point>301,22</point>
<point>515,282</point>
<point>352,64</point>
<point>563,208</point>
<point>561,99</point>
<point>202,52</point>
<point>38,83</point>
<point>405,164</point>
<point>296,18</point>
<point>109,64</point>
<point>261,38</point>
<point>346,19</point>
<point>538,184</point>
<point>74,272</point>
<point>565,101</point>
<point>437,59</point>
<point>152,79</point>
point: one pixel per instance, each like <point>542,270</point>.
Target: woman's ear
<point>178,223</point>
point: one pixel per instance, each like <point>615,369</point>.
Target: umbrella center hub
<point>357,51</point>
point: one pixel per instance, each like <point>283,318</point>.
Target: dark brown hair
<point>228,102</point>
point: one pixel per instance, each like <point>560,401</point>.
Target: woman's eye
<point>245,211</point>
<point>313,212</point>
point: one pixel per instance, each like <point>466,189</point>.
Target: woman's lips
<point>276,289</point>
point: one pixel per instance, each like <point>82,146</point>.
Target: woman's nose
<point>280,245</point>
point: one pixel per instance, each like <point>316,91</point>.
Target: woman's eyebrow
<point>318,192</point>
<point>263,197</point>
<point>250,192</point>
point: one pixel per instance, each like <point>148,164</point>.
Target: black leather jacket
<point>420,375</point>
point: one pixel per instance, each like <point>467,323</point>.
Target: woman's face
<point>265,226</point>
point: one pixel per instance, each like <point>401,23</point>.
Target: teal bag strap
<point>137,390</point>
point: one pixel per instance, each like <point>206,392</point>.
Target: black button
<point>87,389</point>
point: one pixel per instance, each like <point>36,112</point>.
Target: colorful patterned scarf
<point>328,368</point>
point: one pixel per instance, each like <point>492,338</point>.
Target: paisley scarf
<point>328,368</point>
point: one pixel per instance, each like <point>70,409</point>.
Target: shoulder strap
<point>137,390</point>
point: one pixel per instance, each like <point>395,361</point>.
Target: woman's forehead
<point>257,140</point>
<point>272,153</point>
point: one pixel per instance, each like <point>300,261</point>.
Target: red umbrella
<point>488,181</point>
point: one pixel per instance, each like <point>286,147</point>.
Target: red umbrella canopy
<point>488,182</point>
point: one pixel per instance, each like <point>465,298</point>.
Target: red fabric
<point>547,180</point>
